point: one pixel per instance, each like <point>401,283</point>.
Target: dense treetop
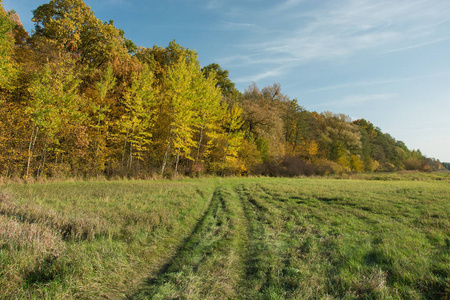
<point>79,99</point>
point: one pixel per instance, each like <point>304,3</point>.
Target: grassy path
<point>240,249</point>
<point>207,265</point>
<point>265,258</point>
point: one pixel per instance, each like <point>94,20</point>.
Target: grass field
<point>234,238</point>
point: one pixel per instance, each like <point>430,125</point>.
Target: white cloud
<point>213,4</point>
<point>237,26</point>
<point>260,76</point>
<point>373,82</point>
<point>357,100</point>
<point>332,30</point>
<point>419,45</point>
<point>289,4</point>
<point>117,2</point>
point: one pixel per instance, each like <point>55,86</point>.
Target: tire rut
<point>182,276</point>
<point>266,259</point>
<point>257,267</point>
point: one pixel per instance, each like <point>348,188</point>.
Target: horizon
<point>383,61</point>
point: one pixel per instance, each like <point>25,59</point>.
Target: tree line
<point>77,98</point>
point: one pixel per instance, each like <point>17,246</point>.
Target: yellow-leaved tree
<point>100,107</point>
<point>52,108</point>
<point>136,124</point>
<point>209,113</point>
<point>8,68</point>
<point>179,94</point>
<point>234,137</point>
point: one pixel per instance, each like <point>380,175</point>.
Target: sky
<point>387,61</point>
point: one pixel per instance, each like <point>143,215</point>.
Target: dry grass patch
<point>70,227</point>
<point>28,253</point>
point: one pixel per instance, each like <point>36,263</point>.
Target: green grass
<point>236,238</point>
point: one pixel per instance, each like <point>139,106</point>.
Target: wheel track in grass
<point>255,276</point>
<point>213,242</point>
<point>233,252</point>
<point>281,270</point>
<point>265,258</point>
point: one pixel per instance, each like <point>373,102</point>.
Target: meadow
<point>367,237</point>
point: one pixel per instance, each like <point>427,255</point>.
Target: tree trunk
<point>42,164</point>
<point>124,148</point>
<point>98,142</point>
<point>30,147</point>
<point>296,136</point>
<point>226,147</point>
<point>199,144</point>
<point>166,155</point>
<point>130,157</point>
<point>178,159</point>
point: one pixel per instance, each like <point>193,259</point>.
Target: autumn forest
<point>80,99</point>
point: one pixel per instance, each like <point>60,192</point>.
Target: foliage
<point>71,25</point>
<point>136,124</point>
<point>8,68</point>
<point>226,86</point>
<point>80,99</point>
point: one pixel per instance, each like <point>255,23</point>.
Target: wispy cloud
<point>331,31</point>
<point>357,100</point>
<point>259,76</point>
<point>419,45</point>
<point>237,26</point>
<point>118,2</point>
<point>288,4</point>
<point>372,82</point>
<point>213,4</point>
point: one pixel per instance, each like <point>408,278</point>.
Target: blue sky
<point>387,61</point>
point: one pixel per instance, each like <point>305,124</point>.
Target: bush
<point>288,167</point>
<point>414,164</point>
<point>328,167</point>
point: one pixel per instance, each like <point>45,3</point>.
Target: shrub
<point>288,167</point>
<point>327,167</point>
